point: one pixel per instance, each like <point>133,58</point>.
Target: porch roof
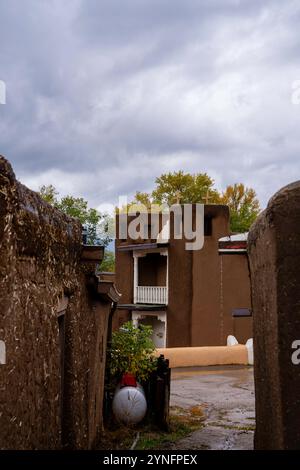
<point>233,244</point>
<point>142,246</point>
<point>144,307</point>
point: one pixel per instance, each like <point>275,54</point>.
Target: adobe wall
<point>180,293</point>
<point>42,276</point>
<point>204,356</point>
<point>274,242</point>
<point>124,283</point>
<point>107,276</point>
<point>235,294</point>
<point>207,328</point>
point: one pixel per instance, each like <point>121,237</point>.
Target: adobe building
<point>54,321</point>
<point>189,297</point>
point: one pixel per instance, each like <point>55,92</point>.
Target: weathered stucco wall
<point>274,242</point>
<point>54,328</point>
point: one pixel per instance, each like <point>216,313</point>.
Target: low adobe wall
<point>206,356</point>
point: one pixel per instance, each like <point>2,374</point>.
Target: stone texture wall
<point>274,254</point>
<point>53,323</point>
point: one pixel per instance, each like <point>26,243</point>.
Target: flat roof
<point>233,244</point>
<point>236,237</point>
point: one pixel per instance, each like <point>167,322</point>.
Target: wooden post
<point>135,276</point>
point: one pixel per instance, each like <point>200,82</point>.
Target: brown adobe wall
<point>180,295</point>
<point>236,293</point>
<point>274,242</point>
<point>207,328</point>
<point>40,269</point>
<point>124,283</point>
<point>107,276</point>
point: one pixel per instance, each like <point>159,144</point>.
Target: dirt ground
<point>227,398</point>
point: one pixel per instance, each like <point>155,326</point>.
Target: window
<point>241,312</point>
<point>207,226</point>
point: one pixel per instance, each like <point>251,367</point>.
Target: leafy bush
<point>132,351</point>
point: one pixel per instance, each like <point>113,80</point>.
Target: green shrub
<point>132,351</point>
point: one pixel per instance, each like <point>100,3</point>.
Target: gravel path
<point>227,398</point>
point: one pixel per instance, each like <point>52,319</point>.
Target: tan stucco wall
<point>205,356</point>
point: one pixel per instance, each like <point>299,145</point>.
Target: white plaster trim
<point>2,353</point>
<point>249,346</point>
<point>164,234</point>
<point>232,341</point>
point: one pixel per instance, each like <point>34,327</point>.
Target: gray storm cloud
<point>103,96</point>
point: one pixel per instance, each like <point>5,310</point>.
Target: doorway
<point>158,324</point>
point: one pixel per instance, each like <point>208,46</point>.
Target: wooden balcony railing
<point>151,295</point>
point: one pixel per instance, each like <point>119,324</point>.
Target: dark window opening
<point>241,312</point>
<point>152,270</point>
<point>207,226</point>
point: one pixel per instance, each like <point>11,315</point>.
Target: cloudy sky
<point>105,95</point>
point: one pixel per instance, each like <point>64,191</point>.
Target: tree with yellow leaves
<point>243,205</point>
<point>185,188</point>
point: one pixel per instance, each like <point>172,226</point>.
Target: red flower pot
<point>128,380</point>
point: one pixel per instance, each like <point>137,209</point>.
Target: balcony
<point>151,295</point>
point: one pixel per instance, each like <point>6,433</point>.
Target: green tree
<point>108,263</point>
<point>179,187</point>
<point>184,188</point>
<point>142,198</point>
<point>49,194</point>
<point>191,188</point>
<point>243,205</point>
<point>95,223</point>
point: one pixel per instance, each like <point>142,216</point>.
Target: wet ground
<point>227,397</point>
